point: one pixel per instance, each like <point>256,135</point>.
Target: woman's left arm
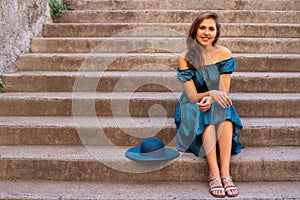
<point>224,84</point>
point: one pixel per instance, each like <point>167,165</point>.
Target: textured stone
<point>159,29</point>
<point>139,81</point>
<point>139,104</point>
<point>20,21</point>
<point>159,44</point>
<point>179,16</point>
<point>65,131</point>
<point>110,164</point>
<point>186,4</point>
<point>141,190</point>
<point>148,62</point>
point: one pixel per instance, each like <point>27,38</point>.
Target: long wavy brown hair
<point>194,49</point>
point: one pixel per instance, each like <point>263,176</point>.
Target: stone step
<point>161,29</point>
<point>100,163</point>
<point>33,189</point>
<point>158,44</point>
<point>148,62</point>
<point>92,131</point>
<point>171,16</point>
<point>139,104</point>
<point>156,81</point>
<point>186,4</point>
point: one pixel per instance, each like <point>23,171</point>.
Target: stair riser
<point>176,16</point>
<point>127,62</point>
<point>137,107</point>
<point>186,4</point>
<point>117,45</point>
<point>197,170</point>
<point>145,83</point>
<point>28,135</point>
<point>108,30</point>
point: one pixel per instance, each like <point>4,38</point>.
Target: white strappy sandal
<point>217,188</point>
<point>232,187</point>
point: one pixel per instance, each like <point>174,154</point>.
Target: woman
<point>207,123</point>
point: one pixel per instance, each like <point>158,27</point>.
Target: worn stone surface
<point>141,190</point>
<point>107,163</point>
<point>154,81</point>
<point>159,45</point>
<point>142,62</point>
<point>50,130</point>
<point>111,29</point>
<point>179,16</point>
<point>106,104</point>
<point>186,4</point>
<point>20,21</point>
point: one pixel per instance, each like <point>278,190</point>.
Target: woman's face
<point>206,32</point>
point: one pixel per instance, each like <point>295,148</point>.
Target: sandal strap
<point>226,179</point>
<point>230,188</point>
<point>214,179</point>
<point>216,189</point>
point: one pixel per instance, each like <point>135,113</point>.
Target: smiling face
<point>206,32</point>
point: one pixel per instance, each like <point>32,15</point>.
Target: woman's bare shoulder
<point>182,64</point>
<point>223,53</point>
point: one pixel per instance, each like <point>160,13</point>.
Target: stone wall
<point>20,20</point>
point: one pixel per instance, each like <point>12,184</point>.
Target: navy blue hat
<point>151,149</point>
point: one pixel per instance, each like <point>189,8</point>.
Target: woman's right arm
<point>189,86</point>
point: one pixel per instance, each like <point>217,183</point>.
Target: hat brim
<point>134,154</point>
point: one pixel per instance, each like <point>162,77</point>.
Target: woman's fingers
<point>224,101</point>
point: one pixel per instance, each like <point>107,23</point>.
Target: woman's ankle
<point>225,174</point>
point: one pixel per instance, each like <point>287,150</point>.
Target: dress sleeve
<point>227,66</point>
<point>185,75</point>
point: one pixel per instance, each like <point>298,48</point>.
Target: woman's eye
<point>201,28</point>
<point>212,29</point>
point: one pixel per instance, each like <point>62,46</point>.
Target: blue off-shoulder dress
<point>191,122</point>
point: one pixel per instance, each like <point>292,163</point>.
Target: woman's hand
<point>221,98</point>
<point>205,103</point>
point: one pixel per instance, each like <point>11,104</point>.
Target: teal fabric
<point>191,122</point>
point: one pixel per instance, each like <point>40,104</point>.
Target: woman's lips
<point>205,39</point>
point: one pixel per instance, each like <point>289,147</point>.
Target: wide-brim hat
<point>151,149</point>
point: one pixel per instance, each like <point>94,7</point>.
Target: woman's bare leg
<point>225,131</point>
<point>209,141</point>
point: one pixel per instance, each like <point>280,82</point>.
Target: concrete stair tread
<point>142,81</point>
<point>180,10</point>
<point>162,15</point>
<point>160,29</point>
<point>157,38</point>
<point>144,122</point>
<point>61,130</point>
<point>154,74</point>
<point>139,95</point>
<point>118,103</point>
<point>116,153</point>
<point>140,61</point>
<point>30,189</point>
<point>159,44</point>
<point>166,24</point>
<point>238,5</point>
<point>251,55</point>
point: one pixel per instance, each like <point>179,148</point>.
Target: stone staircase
<point>103,77</point>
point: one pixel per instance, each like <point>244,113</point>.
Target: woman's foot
<point>230,189</point>
<point>216,188</point>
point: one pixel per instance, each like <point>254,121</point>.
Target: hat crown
<point>151,149</point>
<point>152,145</point>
